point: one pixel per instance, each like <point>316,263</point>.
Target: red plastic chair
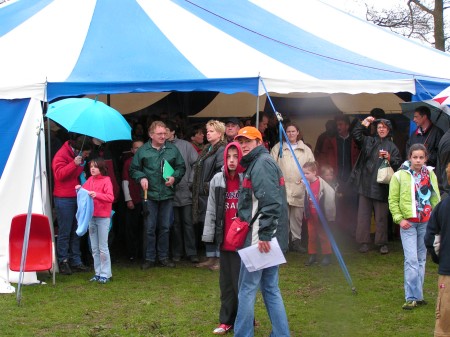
<point>40,244</point>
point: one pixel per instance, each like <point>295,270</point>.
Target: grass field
<point>185,301</point>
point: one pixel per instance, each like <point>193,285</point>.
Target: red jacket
<point>65,172</point>
<point>329,153</point>
<point>104,198</point>
<point>133,187</point>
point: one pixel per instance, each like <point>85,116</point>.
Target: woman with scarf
<point>413,193</point>
<point>209,162</point>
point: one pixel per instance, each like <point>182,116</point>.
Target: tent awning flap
<point>284,86</point>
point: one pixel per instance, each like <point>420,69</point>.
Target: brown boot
<point>216,265</point>
<point>207,263</point>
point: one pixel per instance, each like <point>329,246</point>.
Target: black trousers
<point>230,264</point>
<point>134,231</point>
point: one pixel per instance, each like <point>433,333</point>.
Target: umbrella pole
<point>82,144</point>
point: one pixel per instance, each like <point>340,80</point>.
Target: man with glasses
<point>147,167</point>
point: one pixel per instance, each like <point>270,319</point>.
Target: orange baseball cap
<point>249,132</point>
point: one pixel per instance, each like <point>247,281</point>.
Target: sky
<point>358,8</point>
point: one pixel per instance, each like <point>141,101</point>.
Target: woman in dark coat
<point>373,195</point>
<point>207,165</point>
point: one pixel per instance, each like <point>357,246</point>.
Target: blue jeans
<point>267,280</point>
<point>158,221</point>
<point>68,243</point>
<point>98,234</point>
<point>212,250</point>
<point>415,258</point>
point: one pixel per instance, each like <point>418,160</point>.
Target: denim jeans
<point>98,234</point>
<point>212,250</point>
<point>68,243</point>
<point>415,258</point>
<point>158,220</point>
<point>249,282</point>
<point>183,232</point>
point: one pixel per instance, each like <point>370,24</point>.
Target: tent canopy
<point>119,46</point>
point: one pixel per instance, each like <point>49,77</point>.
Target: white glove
<point>437,243</point>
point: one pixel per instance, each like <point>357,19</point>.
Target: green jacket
<point>148,163</point>
<point>263,194</point>
<point>402,194</point>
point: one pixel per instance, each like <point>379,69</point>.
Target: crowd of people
<point>177,199</point>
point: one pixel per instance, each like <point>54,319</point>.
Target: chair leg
<point>53,271</point>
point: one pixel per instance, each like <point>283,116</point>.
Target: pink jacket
<point>104,198</point>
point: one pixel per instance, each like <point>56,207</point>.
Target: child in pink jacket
<point>100,189</point>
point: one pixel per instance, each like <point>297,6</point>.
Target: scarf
<point>197,183</point>
<point>422,190</point>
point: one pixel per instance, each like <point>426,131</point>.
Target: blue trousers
<point>158,222</point>
<point>249,282</point>
<point>68,244</point>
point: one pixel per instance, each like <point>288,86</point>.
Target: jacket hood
<point>239,168</point>
<point>386,122</point>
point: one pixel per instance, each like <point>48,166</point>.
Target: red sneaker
<point>222,329</point>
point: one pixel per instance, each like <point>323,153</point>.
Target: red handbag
<point>237,233</point>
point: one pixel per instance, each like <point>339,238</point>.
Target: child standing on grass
<point>324,194</point>
<point>100,189</point>
<point>413,193</point>
<point>220,213</point>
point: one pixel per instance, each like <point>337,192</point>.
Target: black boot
<point>326,260</point>
<point>311,260</point>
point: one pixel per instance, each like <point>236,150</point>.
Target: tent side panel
<point>17,178</point>
<point>11,116</point>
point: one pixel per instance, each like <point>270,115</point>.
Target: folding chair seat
<point>40,245</point>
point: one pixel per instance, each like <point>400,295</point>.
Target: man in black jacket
<point>439,248</point>
<point>426,133</point>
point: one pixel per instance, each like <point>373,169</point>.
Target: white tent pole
<point>28,222</point>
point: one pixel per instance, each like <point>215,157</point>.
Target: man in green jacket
<point>150,167</point>
<point>263,204</point>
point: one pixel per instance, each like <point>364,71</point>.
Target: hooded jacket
<point>262,197</point>
<point>215,229</point>
<point>65,172</point>
<point>364,174</point>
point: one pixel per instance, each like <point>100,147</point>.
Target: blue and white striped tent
<point>57,48</point>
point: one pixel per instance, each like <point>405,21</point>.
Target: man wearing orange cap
<point>262,203</point>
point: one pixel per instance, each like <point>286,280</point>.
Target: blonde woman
<point>209,162</point>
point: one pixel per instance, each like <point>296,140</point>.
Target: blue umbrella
<point>91,118</point>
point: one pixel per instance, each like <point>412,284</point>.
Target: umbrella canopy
<point>91,118</point>
<point>440,114</point>
<point>443,97</point>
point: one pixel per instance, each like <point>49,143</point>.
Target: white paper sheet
<point>254,260</point>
